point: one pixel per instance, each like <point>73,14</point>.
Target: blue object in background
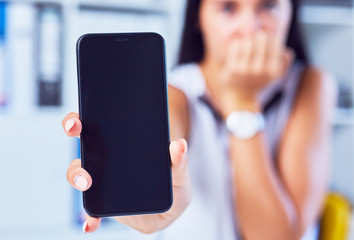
<point>3,77</point>
<point>79,212</point>
<point>2,20</point>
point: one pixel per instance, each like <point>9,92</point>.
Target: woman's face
<point>222,21</point>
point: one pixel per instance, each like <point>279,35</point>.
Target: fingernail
<point>84,227</point>
<point>69,124</point>
<point>81,182</point>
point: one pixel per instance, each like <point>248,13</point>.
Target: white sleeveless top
<point>211,216</point>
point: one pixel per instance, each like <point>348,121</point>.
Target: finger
<point>233,54</point>
<point>260,53</point>
<point>229,66</point>
<point>78,177</point>
<point>288,59</point>
<point>72,125</point>
<point>91,224</point>
<point>245,55</point>
<point>178,151</point>
<point>248,49</point>
<point>274,67</point>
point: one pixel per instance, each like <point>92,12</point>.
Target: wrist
<point>241,103</point>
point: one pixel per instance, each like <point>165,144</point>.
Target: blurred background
<point>38,87</point>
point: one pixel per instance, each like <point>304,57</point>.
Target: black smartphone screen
<point>125,134</point>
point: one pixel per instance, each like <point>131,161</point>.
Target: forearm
<point>263,206</point>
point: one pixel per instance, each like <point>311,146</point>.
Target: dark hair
<point>192,45</point>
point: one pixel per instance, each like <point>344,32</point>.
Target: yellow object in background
<point>335,222</point>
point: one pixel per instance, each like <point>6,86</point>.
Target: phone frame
<point>125,37</point>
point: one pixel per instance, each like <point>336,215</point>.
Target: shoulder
<point>180,88</point>
<point>178,113</point>
<point>177,85</point>
<point>318,81</point>
<point>316,98</point>
<point>318,85</point>
<point>176,97</point>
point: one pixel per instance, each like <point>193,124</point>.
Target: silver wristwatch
<point>245,124</point>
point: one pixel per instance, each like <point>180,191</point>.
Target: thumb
<point>178,151</point>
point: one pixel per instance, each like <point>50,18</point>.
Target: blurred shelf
<point>56,2</point>
<point>347,3</point>
<point>327,15</point>
<point>143,7</point>
<point>344,118</point>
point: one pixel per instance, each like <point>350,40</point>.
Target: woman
<point>263,178</point>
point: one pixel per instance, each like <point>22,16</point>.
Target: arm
<point>305,148</point>
<point>272,205</point>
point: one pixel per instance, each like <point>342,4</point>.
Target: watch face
<point>244,124</point>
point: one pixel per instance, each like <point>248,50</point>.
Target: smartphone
<point>125,128</point>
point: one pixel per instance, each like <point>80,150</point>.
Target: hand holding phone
<point>182,192</point>
<point>127,164</point>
